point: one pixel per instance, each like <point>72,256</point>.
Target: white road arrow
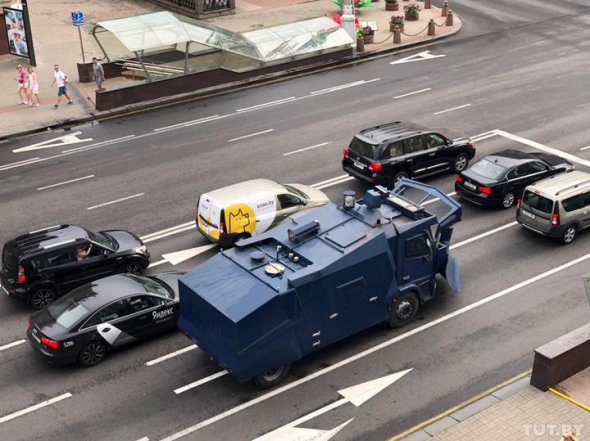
<point>180,256</point>
<point>70,138</point>
<point>426,55</point>
<point>356,395</point>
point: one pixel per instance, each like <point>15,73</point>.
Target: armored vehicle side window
<point>433,140</point>
<point>288,200</point>
<point>418,246</point>
<point>414,144</point>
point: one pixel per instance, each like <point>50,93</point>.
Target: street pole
<point>348,19</point>
<point>29,34</point>
<point>81,45</point>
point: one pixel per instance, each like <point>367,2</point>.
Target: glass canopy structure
<point>165,43</point>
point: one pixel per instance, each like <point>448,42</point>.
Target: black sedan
<point>500,179</point>
<point>94,318</point>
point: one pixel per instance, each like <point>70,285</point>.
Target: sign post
<point>78,21</point>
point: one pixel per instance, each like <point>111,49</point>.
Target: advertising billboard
<point>16,33</point>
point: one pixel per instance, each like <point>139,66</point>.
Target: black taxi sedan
<point>500,179</point>
<point>85,324</point>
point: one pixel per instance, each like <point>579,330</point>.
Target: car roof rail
<point>52,228</point>
<point>587,181</point>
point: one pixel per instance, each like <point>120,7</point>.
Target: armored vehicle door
<point>418,265</point>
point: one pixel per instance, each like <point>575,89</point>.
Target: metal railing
<point>148,70</point>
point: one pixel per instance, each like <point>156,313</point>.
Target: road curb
<point>285,75</point>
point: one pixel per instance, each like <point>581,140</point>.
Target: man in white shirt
<point>60,80</point>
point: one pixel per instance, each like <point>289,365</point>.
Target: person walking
<point>21,88</point>
<point>98,73</point>
<point>33,87</point>
<point>60,80</point>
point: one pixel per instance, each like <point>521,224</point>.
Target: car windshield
<point>67,311</point>
<point>488,169</point>
<point>103,240</point>
<point>537,202</point>
<point>363,148</point>
<point>296,191</point>
<point>153,286</point>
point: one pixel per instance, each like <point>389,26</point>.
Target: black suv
<point>39,266</point>
<point>386,153</point>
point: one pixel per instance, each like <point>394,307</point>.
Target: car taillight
<point>29,323</point>
<point>459,178</point>
<point>555,219</point>
<point>376,166</point>
<point>345,152</point>
<point>50,343</point>
<point>485,190</point>
<point>21,275</point>
<point>518,202</point>
<point>222,226</point>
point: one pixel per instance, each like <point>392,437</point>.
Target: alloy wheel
<point>41,298</point>
<point>133,268</point>
<point>508,200</point>
<point>460,163</point>
<point>92,353</point>
<point>569,234</point>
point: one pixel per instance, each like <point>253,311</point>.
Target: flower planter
<point>392,6</point>
<point>393,25</point>
<point>368,39</point>
<point>409,16</point>
<point>360,44</point>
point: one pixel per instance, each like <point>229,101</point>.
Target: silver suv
<point>557,207</point>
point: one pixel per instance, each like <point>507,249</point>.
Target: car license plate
<point>527,214</point>
<point>470,186</point>
<point>358,164</point>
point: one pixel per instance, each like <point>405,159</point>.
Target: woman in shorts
<point>33,88</point>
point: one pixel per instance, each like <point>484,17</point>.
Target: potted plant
<point>368,34</point>
<point>412,12</point>
<point>391,5</point>
<point>357,4</point>
<point>396,20</point>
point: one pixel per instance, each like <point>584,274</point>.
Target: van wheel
<point>403,310</point>
<point>396,178</point>
<point>569,234</point>
<point>41,298</point>
<point>133,266</point>
<point>92,354</point>
<point>272,377</point>
<point>460,163</point>
<point>508,200</point>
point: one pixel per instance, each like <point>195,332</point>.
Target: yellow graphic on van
<point>240,219</point>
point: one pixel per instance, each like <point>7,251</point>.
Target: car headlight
<point>140,250</point>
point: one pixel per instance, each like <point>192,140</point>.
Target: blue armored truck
<point>319,278</point>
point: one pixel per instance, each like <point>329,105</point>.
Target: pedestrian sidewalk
<point>515,411</point>
<point>57,42</point>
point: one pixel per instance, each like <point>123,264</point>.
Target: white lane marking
<point>166,230</point>
<point>411,93</point>
<point>453,193</point>
<point>544,148</point>
<point>481,138</point>
<point>330,184</point>
<point>452,109</point>
<point>426,55</point>
<point>70,138</point>
<point>585,148</point>
<point>66,182</point>
<point>200,382</point>
<point>198,120</point>
<point>337,178</point>
<point>100,144</point>
<point>11,345</point>
<point>181,229</point>
<point>171,355</point>
<point>158,263</point>
<point>250,135</point>
<point>191,123</point>
<point>145,438</point>
<point>182,255</point>
<point>372,350</point>
<point>343,86</point>
<point>33,408</point>
<point>115,201</point>
<point>270,103</point>
<point>307,148</point>
<point>17,164</point>
<point>481,236</point>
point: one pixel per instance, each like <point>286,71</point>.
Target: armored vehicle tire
<point>398,176</point>
<point>92,354</point>
<point>403,310</point>
<point>460,162</point>
<point>569,234</point>
<point>272,377</point>
<point>41,298</point>
<point>133,266</point>
<point>508,200</point>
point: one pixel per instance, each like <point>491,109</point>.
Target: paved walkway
<point>57,41</point>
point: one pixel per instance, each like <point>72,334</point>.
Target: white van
<point>247,208</point>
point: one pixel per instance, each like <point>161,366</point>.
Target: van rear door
<point>208,217</point>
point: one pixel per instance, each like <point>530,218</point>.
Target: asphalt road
<point>518,72</point>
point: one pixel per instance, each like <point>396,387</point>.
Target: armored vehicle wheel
<point>403,310</point>
<point>272,377</point>
<point>41,298</point>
